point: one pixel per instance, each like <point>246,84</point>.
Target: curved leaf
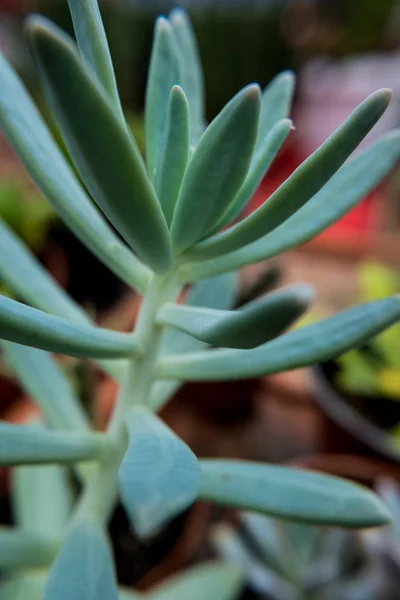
<point>31,327</point>
<point>21,444</point>
<point>217,169</point>
<point>175,152</point>
<point>114,173</point>
<point>163,75</point>
<point>83,568</point>
<point>259,167</point>
<point>303,184</point>
<point>307,345</point>
<point>93,46</point>
<point>276,101</point>
<point>190,71</point>
<point>22,549</point>
<point>24,275</point>
<point>219,292</point>
<point>202,582</point>
<point>254,324</point>
<point>259,577</point>
<point>30,138</point>
<point>291,494</point>
<point>159,476</point>
<point>43,380</point>
<point>347,187</point>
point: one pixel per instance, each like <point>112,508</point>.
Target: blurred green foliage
<point>374,370</point>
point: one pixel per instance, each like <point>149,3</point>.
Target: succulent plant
<point>292,561</point>
<point>171,212</point>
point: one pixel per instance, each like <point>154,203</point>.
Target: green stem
<point>101,492</point>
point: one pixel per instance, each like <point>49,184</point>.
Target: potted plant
<point>171,212</point>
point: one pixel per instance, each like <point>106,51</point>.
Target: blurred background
<point>342,417</point>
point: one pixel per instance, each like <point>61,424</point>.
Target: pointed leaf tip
<point>115,174</point>
<point>291,494</point>
<point>159,476</point>
<point>217,169</point>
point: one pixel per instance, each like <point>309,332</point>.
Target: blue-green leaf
<point>174,154</point>
<point>190,71</point>
<point>163,75</point>
<point>42,499</point>
<point>258,169</point>
<point>21,444</point>
<point>93,46</point>
<point>114,173</point>
<point>291,494</point>
<point>24,275</point>
<point>159,476</point>
<point>346,188</point>
<point>254,324</point>
<point>217,169</point>
<point>202,582</point>
<point>31,327</point>
<point>25,585</point>
<point>23,549</point>
<point>317,342</point>
<point>84,566</point>
<point>219,293</point>
<point>303,184</point>
<point>44,382</point>
<point>276,103</point>
<point>261,579</point>
<point>30,138</point>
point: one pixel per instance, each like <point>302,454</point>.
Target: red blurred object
<point>360,221</point>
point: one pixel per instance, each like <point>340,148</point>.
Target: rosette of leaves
<point>293,561</point>
<point>171,211</point>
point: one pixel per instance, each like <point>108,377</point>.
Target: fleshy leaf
<point>254,324</point>
<point>320,341</point>
<point>217,169</point>
<point>219,293</point>
<point>163,75</point>
<point>43,380</point>
<point>174,154</point>
<point>31,139</point>
<point>93,46</point>
<point>42,499</point>
<point>291,494</point>
<point>24,275</point>
<point>83,567</point>
<point>21,271</point>
<point>159,476</point>
<point>21,444</point>
<point>114,174</point>
<point>31,327</point>
<point>22,549</point>
<point>276,101</point>
<point>259,167</point>
<point>303,184</point>
<point>190,71</point>
<point>202,582</point>
<point>347,187</point>
<point>231,547</point>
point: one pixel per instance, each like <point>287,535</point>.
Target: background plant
<point>169,213</point>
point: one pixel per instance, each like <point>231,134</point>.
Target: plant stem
<point>101,492</point>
